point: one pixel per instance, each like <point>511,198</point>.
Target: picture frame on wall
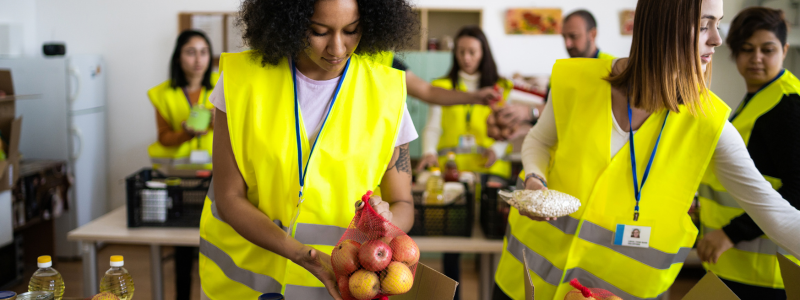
<point>626,22</point>
<point>533,21</point>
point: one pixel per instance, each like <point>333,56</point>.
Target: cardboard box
<point>10,130</point>
<point>429,285</point>
<point>790,272</point>
<point>711,287</point>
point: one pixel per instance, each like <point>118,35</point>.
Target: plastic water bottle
<point>47,278</point>
<point>117,280</point>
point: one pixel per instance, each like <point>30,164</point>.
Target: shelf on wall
<point>441,22</point>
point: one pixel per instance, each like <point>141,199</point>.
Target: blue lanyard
<point>304,171</point>
<point>636,190</point>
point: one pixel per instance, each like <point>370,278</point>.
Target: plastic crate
<point>192,189</point>
<point>493,212</point>
<point>455,219</point>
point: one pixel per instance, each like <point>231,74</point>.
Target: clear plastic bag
<point>542,203</point>
<point>374,259</point>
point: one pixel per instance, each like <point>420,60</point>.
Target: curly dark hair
<point>276,29</point>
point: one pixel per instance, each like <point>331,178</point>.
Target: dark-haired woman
<point>632,138</point>
<point>189,87</point>
<point>307,122</point>
<point>462,128</point>
<point>768,119</point>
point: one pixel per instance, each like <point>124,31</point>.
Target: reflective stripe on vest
<point>262,132</point>
<point>723,198</point>
<point>582,166</point>
<point>454,125</point>
<point>257,282</point>
<point>752,262</point>
<point>552,274</point>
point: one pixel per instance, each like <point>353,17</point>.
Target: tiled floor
<point>137,262</point>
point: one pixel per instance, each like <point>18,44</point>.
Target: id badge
<point>199,157</point>
<point>467,141</point>
<point>631,233</point>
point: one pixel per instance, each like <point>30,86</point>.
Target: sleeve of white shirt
<point>433,130</point>
<point>738,174</point>
<point>408,132</point>
<point>536,147</point>
<point>217,96</point>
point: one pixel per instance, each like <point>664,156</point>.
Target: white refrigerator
<point>66,121</point>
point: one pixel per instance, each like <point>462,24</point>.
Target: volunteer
<point>190,84</point>
<point>186,92</point>
<point>580,33</point>
<point>608,118</point>
<point>424,91</point>
<point>308,121</point>
<point>462,128</point>
<point>768,119</point>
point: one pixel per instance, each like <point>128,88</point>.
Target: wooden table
<point>112,228</point>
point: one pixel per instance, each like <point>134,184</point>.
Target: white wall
<point>136,39</point>
<point>528,54</point>
<point>22,12</point>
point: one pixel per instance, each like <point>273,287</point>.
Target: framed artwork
<point>533,21</point>
<point>626,22</point>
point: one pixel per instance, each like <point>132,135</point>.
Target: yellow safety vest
<point>580,245</point>
<point>603,55</point>
<point>751,262</point>
<point>172,104</point>
<point>454,125</point>
<point>350,156</point>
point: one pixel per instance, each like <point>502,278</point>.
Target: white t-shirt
<point>315,96</point>
<point>731,162</point>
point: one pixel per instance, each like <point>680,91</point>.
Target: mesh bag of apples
<point>584,293</point>
<point>374,259</point>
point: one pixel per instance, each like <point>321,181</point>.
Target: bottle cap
<point>436,171</point>
<point>451,154</point>
<point>44,261</point>
<point>7,295</point>
<point>117,261</point>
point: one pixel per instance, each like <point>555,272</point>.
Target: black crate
<point>444,220</point>
<point>494,212</point>
<point>193,190</point>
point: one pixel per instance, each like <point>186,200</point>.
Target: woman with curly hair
<point>307,122</point>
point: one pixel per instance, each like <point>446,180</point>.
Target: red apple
<point>344,257</point>
<point>375,255</point>
<point>344,288</point>
<point>405,250</point>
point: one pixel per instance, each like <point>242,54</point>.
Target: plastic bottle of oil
<point>47,278</point>
<point>117,280</point>
<point>434,189</point>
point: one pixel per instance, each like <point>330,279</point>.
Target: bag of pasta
<point>541,203</point>
<point>374,259</point>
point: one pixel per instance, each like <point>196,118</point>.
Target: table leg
<point>157,285</point>
<point>486,278</point>
<point>89,250</point>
